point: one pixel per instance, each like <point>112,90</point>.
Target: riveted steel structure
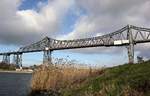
<point>47,57</point>
<point>6,58</point>
<point>127,36</point>
<point>17,60</point>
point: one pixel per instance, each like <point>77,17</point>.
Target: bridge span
<point>127,36</point>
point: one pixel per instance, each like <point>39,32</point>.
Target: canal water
<point>14,84</point>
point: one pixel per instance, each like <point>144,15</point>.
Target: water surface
<point>14,84</point>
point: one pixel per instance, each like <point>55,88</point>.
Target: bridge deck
<point>139,35</point>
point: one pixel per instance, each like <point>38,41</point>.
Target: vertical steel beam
<point>47,60</point>
<point>17,60</point>
<point>6,58</point>
<point>131,45</point>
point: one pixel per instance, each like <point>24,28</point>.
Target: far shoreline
<point>13,71</point>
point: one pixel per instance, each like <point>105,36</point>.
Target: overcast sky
<point>25,21</point>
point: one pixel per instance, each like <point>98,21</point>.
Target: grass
<point>123,80</point>
<point>55,79</point>
<point>8,67</point>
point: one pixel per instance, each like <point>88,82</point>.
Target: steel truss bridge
<point>127,36</point>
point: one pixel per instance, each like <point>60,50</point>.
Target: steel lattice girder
<point>140,35</point>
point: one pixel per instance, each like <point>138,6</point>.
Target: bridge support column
<point>47,60</point>
<point>131,46</point>
<point>131,53</point>
<point>6,58</point>
<point>17,60</point>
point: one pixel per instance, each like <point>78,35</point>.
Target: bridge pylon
<point>6,58</point>
<point>130,47</point>
<point>17,60</point>
<point>47,60</point>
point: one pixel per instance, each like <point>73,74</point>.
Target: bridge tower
<point>17,60</point>
<point>47,60</point>
<point>6,58</point>
<point>130,48</point>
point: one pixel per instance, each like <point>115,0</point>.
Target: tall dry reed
<point>60,77</point>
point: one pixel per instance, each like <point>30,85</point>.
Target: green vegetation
<point>7,67</point>
<point>123,80</point>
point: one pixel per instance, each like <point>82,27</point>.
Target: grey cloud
<point>101,17</point>
<point>143,50</point>
<point>20,27</point>
<point>112,7</point>
<point>105,16</point>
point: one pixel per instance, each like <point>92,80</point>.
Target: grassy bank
<point>56,79</point>
<point>7,67</point>
<point>124,80</point>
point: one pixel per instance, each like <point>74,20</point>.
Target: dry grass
<point>57,78</point>
<point>68,80</point>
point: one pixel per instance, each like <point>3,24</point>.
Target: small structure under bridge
<point>127,36</point>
